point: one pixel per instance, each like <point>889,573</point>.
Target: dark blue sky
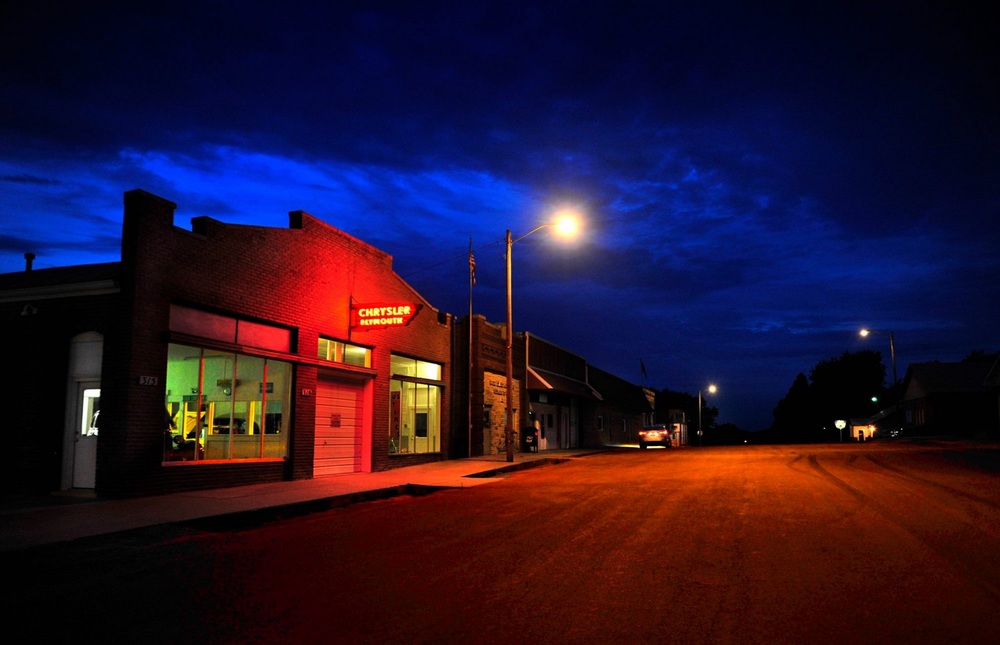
<point>759,180</point>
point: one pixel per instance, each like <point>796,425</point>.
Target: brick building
<point>222,355</point>
<point>481,405</point>
<point>551,391</point>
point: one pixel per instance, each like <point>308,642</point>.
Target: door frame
<point>84,469</point>
<point>86,353</point>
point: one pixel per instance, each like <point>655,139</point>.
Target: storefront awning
<point>544,380</point>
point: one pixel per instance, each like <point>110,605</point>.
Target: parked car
<point>655,435</point>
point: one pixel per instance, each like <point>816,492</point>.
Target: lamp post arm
<point>521,237</point>
<point>509,422</point>
<point>509,353</point>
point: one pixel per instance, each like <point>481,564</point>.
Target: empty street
<point>875,543</point>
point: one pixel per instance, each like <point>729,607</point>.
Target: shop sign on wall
<point>380,316</point>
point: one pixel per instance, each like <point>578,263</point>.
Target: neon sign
<point>381,316</point>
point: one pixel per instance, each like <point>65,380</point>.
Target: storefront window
<point>402,366</point>
<point>415,406</point>
<point>225,406</point>
<point>338,352</point>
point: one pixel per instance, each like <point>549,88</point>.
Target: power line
<point>462,256</point>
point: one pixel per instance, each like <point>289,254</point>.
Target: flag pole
<point>472,283</point>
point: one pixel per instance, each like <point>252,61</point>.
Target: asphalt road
<point>873,543</point>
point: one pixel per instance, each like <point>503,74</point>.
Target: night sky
<point>758,180</point>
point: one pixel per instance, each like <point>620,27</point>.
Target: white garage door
<point>338,428</point>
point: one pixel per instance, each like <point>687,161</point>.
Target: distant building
<point>861,430</point>
<point>952,398</point>
<point>677,420</point>
<point>621,410</point>
<point>558,389</point>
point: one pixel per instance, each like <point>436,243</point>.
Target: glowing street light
<point>711,390</point>
<point>864,333</point>
<point>566,224</point>
<point>892,351</point>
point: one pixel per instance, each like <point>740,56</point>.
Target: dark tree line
<point>840,388</point>
<point>848,387</point>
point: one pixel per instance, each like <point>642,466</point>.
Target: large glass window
<point>415,406</point>
<point>338,352</point>
<point>223,406</point>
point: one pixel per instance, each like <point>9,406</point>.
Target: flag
<point>472,265</point>
<point>642,365</point>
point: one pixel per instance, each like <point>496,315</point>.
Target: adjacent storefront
<point>550,388</point>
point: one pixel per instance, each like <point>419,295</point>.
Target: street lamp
<point>711,390</point>
<point>892,351</point>
<point>566,225</point>
<point>895,377</point>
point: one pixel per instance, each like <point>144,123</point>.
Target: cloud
<point>757,181</point>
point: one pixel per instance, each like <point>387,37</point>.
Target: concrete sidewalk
<point>26,526</point>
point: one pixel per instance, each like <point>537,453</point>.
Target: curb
<point>243,520</point>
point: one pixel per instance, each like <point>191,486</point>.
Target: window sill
<point>265,460</point>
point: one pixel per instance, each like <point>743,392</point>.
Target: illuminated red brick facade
<point>296,284</point>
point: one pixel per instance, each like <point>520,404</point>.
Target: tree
<point>837,388</point>
<point>981,355</point>
<point>793,413</point>
<point>848,387</point>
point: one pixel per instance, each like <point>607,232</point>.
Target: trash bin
<point>529,439</point>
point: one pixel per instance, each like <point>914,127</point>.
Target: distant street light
<point>711,390</point>
<point>864,333</point>
<point>892,351</point>
<point>566,224</point>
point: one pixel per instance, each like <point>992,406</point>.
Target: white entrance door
<point>339,415</point>
<point>85,442</point>
<point>545,415</point>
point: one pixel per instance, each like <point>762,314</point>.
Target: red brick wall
<point>304,277</point>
